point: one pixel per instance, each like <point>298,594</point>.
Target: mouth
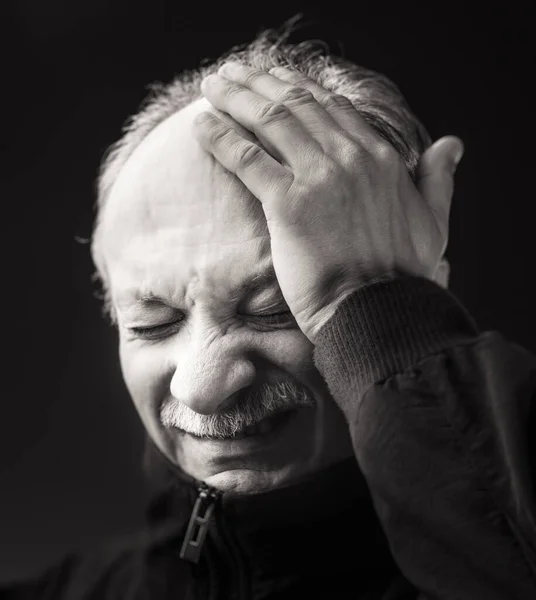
<point>282,442</point>
<point>261,429</point>
<point>267,425</point>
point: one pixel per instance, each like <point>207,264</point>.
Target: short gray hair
<point>377,99</point>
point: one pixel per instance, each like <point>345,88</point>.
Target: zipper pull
<point>198,524</point>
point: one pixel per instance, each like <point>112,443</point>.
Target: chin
<point>290,450</point>
<point>250,481</point>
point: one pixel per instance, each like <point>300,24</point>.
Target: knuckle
<point>219,135</point>
<point>233,89</point>
<point>298,78</point>
<point>252,76</point>
<point>248,154</point>
<point>272,112</point>
<point>385,154</point>
<point>352,154</point>
<point>296,95</point>
<point>327,171</point>
<point>336,102</point>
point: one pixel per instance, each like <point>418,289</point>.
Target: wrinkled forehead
<point>169,181</point>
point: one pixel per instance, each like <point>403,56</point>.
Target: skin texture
<point>216,196</point>
<point>178,226</point>
<point>341,208</point>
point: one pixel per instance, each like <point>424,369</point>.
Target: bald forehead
<point>171,145</point>
<point>168,160</point>
<point>170,180</point>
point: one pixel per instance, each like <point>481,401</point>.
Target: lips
<point>263,427</point>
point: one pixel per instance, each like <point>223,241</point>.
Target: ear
<point>435,176</point>
<point>435,182</point>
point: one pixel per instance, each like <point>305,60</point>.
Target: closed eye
<point>155,332</point>
<point>280,318</point>
<point>161,331</point>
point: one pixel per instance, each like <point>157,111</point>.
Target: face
<point>221,376</point>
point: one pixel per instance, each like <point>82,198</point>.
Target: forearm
<point>437,415</point>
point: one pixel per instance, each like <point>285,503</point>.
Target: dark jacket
<point>441,507</point>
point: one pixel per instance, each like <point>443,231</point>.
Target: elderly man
<point>324,418</point>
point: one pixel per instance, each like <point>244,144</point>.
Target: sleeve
<point>442,419</point>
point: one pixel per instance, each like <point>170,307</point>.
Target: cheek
<point>146,375</point>
<point>292,352</point>
<point>148,369</point>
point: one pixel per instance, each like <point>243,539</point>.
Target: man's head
<point>208,347</point>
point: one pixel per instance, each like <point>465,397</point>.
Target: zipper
<point>198,525</point>
<point>238,563</point>
<point>207,514</point>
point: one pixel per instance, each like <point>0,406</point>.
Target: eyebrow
<point>259,281</point>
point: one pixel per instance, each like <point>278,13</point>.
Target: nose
<point>207,374</point>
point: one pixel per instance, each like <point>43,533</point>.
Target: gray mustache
<point>263,401</point>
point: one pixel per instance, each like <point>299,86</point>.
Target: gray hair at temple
<point>375,97</point>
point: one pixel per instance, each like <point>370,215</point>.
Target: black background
<point>70,443</point>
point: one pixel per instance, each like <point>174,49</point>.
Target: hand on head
<point>341,207</point>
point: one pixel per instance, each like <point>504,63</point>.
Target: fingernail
<point>231,68</point>
<point>204,117</point>
<point>282,72</point>
<point>209,80</point>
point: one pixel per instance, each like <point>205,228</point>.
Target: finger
<point>268,120</point>
<point>435,174</point>
<point>339,107</point>
<point>245,133</point>
<point>301,101</point>
<point>259,171</point>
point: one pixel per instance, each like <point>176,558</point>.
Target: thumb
<point>435,173</point>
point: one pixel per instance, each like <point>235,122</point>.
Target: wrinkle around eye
<point>158,331</point>
<point>147,312</point>
<point>283,319</point>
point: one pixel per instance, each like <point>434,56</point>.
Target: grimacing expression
<point>204,330</point>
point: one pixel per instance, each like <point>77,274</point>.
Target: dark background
<point>70,443</point>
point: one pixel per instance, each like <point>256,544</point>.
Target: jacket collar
<point>304,526</point>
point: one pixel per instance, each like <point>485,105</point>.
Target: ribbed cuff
<point>385,328</point>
